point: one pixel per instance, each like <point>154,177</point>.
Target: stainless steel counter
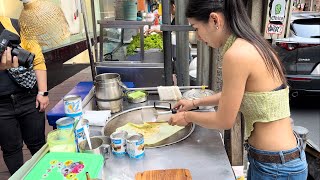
<point>202,153</point>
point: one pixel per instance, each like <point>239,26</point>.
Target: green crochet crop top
<point>264,107</point>
<point>261,106</point>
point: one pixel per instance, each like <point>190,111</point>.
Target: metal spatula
<point>150,115</point>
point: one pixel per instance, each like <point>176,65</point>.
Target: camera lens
<point>25,58</point>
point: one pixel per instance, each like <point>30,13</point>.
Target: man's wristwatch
<point>46,93</point>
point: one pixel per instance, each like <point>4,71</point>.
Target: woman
<point>254,83</point>
<point>23,100</point>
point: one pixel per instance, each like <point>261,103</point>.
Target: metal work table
<point>202,153</point>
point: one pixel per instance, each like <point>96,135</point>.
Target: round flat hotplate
<point>134,116</point>
<point>197,93</point>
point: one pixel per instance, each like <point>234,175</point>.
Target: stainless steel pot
<point>108,86</point>
<point>109,91</point>
<point>107,77</point>
<point>115,106</point>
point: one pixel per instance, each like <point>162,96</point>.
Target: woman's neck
<point>225,38</point>
<point>228,43</point>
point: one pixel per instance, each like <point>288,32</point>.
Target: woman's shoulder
<point>242,49</point>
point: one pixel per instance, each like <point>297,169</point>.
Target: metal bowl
<point>197,94</point>
<point>138,100</point>
<point>134,116</point>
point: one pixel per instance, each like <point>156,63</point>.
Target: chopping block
<point>165,174</point>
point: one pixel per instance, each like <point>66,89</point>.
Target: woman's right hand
<point>184,105</point>
<point>7,61</point>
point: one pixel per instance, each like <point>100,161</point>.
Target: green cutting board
<point>69,166</point>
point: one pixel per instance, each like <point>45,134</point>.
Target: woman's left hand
<point>42,102</point>
<point>178,119</point>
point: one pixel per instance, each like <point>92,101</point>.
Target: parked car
<point>300,53</point>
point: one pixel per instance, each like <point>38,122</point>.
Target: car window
<point>309,28</point>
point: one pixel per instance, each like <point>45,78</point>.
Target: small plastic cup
<point>61,140</point>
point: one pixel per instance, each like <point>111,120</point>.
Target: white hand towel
<point>97,118</point>
<point>169,93</point>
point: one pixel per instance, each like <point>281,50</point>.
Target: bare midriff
<point>273,136</point>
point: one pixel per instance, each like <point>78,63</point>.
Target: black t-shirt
<point>173,22</point>
<point>7,85</point>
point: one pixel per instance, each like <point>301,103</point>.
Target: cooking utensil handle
<point>123,85</point>
<point>156,88</point>
<point>154,104</point>
<point>105,151</point>
<point>173,111</point>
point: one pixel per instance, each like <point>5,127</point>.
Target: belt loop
<point>300,147</point>
<point>282,157</point>
<point>299,143</point>
<point>13,98</point>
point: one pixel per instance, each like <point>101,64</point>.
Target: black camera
<point>12,40</point>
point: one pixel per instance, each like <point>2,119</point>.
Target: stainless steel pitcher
<point>98,147</point>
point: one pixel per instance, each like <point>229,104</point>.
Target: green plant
<point>153,41</point>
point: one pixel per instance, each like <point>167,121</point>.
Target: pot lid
<point>197,93</point>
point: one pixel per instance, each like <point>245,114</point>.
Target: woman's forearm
<point>41,80</point>
<point>205,119</point>
<point>208,101</point>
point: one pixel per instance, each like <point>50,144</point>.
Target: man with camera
<point>23,94</point>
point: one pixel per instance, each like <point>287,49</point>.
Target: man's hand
<point>42,102</point>
<point>7,61</point>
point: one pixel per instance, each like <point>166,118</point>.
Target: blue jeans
<point>20,121</point>
<point>296,169</point>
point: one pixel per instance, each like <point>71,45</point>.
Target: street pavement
<point>305,112</point>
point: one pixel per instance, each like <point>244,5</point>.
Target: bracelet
<point>184,116</point>
<point>193,104</point>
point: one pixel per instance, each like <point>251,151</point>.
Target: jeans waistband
<point>299,147</point>
<point>17,95</point>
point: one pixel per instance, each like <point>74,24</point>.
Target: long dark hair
<point>239,24</point>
